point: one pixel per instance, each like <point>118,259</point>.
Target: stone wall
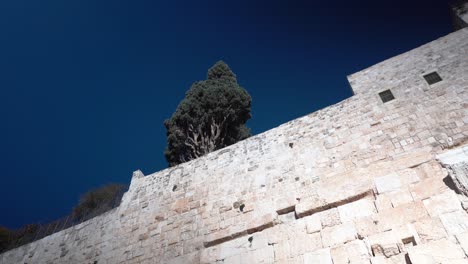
<point>460,15</point>
<point>361,181</point>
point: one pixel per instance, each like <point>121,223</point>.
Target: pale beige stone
<point>402,196</point>
<point>438,251</point>
<point>442,203</point>
<point>303,243</point>
<point>366,226</point>
<point>330,217</point>
<point>407,235</point>
<point>429,229</point>
<point>427,188</point>
<point>321,256</point>
<point>385,244</point>
<point>387,183</point>
<point>332,236</point>
<point>353,252</point>
<point>397,259</point>
<point>401,215</point>
<point>282,250</point>
<point>463,241</point>
<point>313,223</point>
<point>383,202</point>
<point>455,222</point>
<point>355,210</point>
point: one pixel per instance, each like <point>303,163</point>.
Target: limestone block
<point>400,215</point>
<point>463,241</point>
<point>429,229</point>
<point>285,204</point>
<point>455,222</point>
<point>385,244</point>
<point>330,217</point>
<point>355,210</point>
<point>387,183</point>
<point>262,222</point>
<point>333,192</point>
<point>305,243</point>
<point>408,176</point>
<point>332,236</point>
<point>313,223</point>
<point>442,203</point>
<point>407,235</point>
<point>181,205</point>
<point>354,252</point>
<point>366,226</point>
<point>397,259</point>
<point>427,188</point>
<point>321,256</point>
<point>383,202</point>
<point>263,255</point>
<point>282,250</point>
<point>400,197</point>
<point>309,205</point>
<point>438,251</point>
<point>236,259</point>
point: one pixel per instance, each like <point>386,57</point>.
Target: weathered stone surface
<point>330,217</point>
<point>355,210</point>
<point>455,222</point>
<point>400,215</point>
<point>352,252</point>
<point>463,241</point>
<point>319,256</point>
<point>313,223</point>
<point>442,203</point>
<point>403,196</point>
<point>383,202</point>
<point>427,188</point>
<point>430,229</point>
<point>387,183</point>
<point>439,251</point>
<point>385,244</point>
<point>456,162</point>
<point>332,236</point>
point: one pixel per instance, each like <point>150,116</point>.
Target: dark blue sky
<point>85,85</point>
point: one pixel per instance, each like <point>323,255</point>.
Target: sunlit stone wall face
<point>361,181</point>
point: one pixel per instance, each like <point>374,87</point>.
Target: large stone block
<point>332,236</point>
<point>385,244</point>
<point>388,183</point>
<point>430,229</point>
<point>313,223</point>
<point>455,222</point>
<point>355,210</point>
<point>354,252</point>
<point>400,215</point>
<point>427,188</point>
<point>439,251</point>
<point>321,256</point>
<point>442,203</point>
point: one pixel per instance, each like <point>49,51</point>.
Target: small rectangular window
<point>386,96</point>
<point>432,78</point>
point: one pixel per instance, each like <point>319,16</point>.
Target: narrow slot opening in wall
<point>432,78</point>
<point>386,96</point>
<point>409,242</point>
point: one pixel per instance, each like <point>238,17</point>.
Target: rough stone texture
<point>354,179</point>
<point>440,251</point>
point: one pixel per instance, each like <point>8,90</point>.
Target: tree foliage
<point>211,116</point>
<point>98,201</point>
<point>5,238</point>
